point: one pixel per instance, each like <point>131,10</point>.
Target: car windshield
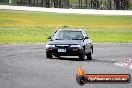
<point>68,35</point>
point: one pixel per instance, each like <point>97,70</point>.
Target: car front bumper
<point>71,51</point>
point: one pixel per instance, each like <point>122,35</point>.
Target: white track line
<point>126,63</point>
<point>74,11</point>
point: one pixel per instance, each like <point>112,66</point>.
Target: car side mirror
<point>49,37</point>
<point>86,37</point>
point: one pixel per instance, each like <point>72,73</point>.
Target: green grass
<point>24,35</point>
<point>35,27</point>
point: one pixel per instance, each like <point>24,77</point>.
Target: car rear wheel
<point>89,56</point>
<point>92,48</point>
<point>48,56</point>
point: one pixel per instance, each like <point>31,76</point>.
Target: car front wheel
<point>89,56</point>
<point>48,56</point>
<point>82,56</point>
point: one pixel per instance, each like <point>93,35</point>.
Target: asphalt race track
<point>25,66</point>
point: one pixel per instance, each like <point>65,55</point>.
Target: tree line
<point>94,4</point>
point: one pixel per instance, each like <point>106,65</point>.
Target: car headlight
<point>47,46</point>
<point>75,46</point>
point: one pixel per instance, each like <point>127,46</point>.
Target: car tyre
<point>49,56</point>
<point>82,56</point>
<point>89,56</point>
<point>92,49</point>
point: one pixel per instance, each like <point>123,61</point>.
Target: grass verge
<point>35,27</point>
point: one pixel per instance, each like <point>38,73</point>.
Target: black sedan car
<point>69,42</point>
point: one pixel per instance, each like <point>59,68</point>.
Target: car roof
<point>70,30</point>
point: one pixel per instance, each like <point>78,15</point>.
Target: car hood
<point>67,42</point>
